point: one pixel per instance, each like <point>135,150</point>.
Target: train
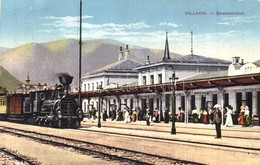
<point>46,107</point>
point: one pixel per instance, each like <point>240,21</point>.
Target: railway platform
<point>252,128</point>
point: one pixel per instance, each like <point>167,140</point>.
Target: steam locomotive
<point>48,107</point>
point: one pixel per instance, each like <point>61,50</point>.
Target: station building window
<point>203,101</point>
<point>131,104</point>
<point>192,102</point>
<point>143,105</point>
<point>144,80</point>
<point>167,101</point>
<point>226,99</point>
<point>151,79</point>
<point>159,78</point>
<point>183,102</point>
<point>214,99</point>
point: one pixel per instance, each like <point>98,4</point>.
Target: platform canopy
<point>185,84</point>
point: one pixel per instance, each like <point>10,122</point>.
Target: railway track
<point>11,157</point>
<point>227,147</point>
<point>125,156</point>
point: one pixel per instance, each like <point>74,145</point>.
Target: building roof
<point>199,59</point>
<point>209,75</point>
<point>189,60</point>
<point>119,66</point>
<point>257,63</point>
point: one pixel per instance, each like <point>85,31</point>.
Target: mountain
<point>8,81</point>
<point>43,61</point>
<point>3,50</point>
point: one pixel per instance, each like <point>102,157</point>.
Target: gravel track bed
<point>8,157</point>
<point>124,156</point>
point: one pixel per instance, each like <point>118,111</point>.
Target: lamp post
<point>173,80</point>
<point>99,88</point>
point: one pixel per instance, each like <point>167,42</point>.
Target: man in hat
<point>217,120</point>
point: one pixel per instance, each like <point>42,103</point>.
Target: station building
<point>202,82</point>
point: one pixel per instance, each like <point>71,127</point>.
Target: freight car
<point>53,108</point>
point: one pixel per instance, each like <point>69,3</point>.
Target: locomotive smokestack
<point>66,80</point>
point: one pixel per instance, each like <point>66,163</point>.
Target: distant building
<point>118,74</point>
<point>240,68</point>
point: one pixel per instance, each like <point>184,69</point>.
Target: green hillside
<point>7,81</point>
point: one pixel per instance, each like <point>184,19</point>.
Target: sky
<point>221,28</point>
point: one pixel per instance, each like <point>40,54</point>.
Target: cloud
<point>242,19</point>
<point>169,24</point>
<point>117,27</point>
<point>223,23</point>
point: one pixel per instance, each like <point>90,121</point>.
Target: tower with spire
<point>166,49</point>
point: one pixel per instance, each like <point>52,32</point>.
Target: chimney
<point>242,62</point>
<point>235,60</point>
<point>120,54</point>
<point>147,60</point>
<point>127,53</point>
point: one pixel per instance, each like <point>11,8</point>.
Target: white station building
<point>202,82</point>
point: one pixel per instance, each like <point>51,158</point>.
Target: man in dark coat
<point>217,120</point>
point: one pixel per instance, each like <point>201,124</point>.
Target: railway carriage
<point>3,103</point>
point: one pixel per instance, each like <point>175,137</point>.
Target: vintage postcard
<point>129,82</point>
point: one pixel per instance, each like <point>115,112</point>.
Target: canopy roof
<point>188,84</point>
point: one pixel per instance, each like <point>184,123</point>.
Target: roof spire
<point>28,79</point>
<point>191,43</point>
<point>166,49</point>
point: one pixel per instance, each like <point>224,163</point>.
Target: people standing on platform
<point>200,116</point>
<point>247,117</point>
<point>217,120</point>
<point>104,115</point>
<point>166,115</point>
<point>147,116</point>
<point>156,115</point>
<point>94,113</point>
<point>113,113</point>
<point>211,115</point>
<point>241,120</point>
<point>234,116</point>
<point>229,121</point>
<point>195,115</point>
<point>181,114</point>
<point>126,115</point>
<point>205,117</point>
<point>134,115</point>
<point>140,114</point>
<point>137,113</point>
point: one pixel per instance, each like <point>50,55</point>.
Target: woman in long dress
<point>247,117</point>
<point>195,115</point>
<point>241,120</point>
<point>229,121</point>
